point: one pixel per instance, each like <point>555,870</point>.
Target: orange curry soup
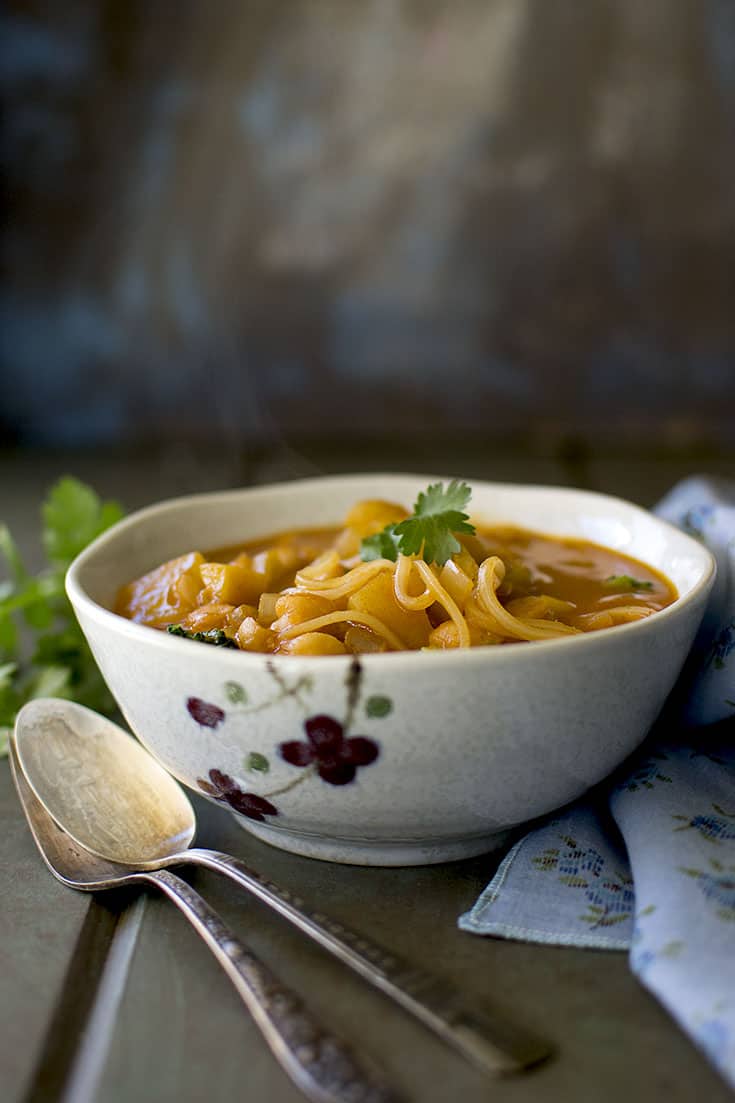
<point>308,592</point>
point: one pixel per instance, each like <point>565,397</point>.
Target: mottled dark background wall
<point>294,218</point>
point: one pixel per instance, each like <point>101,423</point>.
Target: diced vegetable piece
<point>237,615</point>
<point>276,565</point>
<point>377,597</point>
<point>359,640</point>
<point>364,519</point>
<point>446,636</point>
<point>312,643</point>
<point>187,588</point>
<point>163,595</point>
<point>267,609</point>
<point>326,566</point>
<point>233,583</point>
<point>206,617</point>
<point>296,608</point>
<point>251,636</point>
<point>347,544</point>
<point>372,515</point>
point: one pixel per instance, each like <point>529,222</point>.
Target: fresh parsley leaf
<point>8,696</point>
<point>382,545</point>
<point>73,516</point>
<point>59,664</point>
<point>436,501</point>
<point>438,514</point>
<point>13,558</point>
<point>216,636</point>
<point>625,583</point>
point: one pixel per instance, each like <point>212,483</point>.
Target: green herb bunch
<point>43,652</point>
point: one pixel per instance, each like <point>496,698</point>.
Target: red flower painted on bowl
<point>336,758</point>
<point>223,788</point>
<point>206,714</point>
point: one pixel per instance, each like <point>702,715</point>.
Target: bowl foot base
<point>379,852</point>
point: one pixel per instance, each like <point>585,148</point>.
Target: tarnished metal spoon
<point>321,1065</point>
<point>114,799</point>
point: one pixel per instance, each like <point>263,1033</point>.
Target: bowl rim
<point>108,619</point>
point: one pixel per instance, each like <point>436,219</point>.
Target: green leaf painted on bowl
<point>378,706</point>
<point>236,693</point>
<point>257,763</point>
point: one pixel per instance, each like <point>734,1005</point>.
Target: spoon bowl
<point>106,791</point>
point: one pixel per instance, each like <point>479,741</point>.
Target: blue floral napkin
<point>647,862</point>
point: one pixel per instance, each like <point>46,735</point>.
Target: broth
<point>307,591</point>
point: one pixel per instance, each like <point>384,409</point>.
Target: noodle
<point>499,620</point>
<point>339,617</point>
<point>337,588</point>
<point>400,586</point>
<point>445,600</point>
<point>617,614</point>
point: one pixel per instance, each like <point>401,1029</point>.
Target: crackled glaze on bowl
<point>401,758</point>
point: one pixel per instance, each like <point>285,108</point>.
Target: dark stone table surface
<point>113,999</point>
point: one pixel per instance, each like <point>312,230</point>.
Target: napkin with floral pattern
<point>646,863</point>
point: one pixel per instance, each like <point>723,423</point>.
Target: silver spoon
<point>113,798</point>
<point>318,1063</point>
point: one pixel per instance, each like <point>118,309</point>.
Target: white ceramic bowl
<point>457,746</point>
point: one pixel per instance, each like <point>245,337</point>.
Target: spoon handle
<point>484,1038</point>
<point>319,1063</point>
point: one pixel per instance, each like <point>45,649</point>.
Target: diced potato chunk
<point>324,566</point>
<point>267,608</point>
<point>251,636</point>
<point>165,594</point>
<point>207,617</point>
<point>347,544</point>
<point>372,515</point>
<point>276,565</point>
<point>237,615</point>
<point>186,590</point>
<point>313,643</point>
<point>446,636</point>
<point>364,519</point>
<point>377,597</point>
<point>233,583</point>
<point>361,641</point>
<point>296,608</point>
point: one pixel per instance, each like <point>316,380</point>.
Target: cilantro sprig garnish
<point>429,532</point>
<point>43,652</point>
